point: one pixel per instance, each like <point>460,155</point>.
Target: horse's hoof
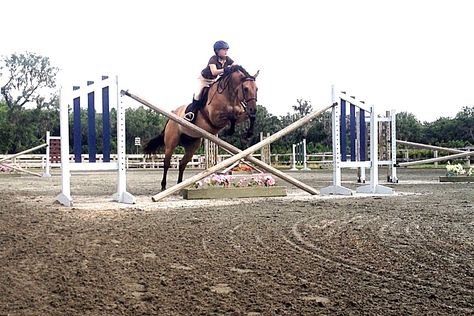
<point>229,132</point>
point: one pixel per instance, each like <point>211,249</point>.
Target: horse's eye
<point>246,89</point>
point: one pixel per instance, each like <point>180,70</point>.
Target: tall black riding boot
<point>191,111</point>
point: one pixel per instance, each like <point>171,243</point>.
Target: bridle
<point>246,100</point>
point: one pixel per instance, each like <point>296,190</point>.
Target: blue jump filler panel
<point>352,133</point>
<point>343,131</point>
<point>91,124</point>
<point>77,136</point>
<point>105,123</point>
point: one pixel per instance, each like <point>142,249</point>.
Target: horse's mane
<point>234,69</point>
<point>224,81</point>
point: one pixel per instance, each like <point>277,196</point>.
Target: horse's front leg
<point>249,132</point>
<point>231,129</point>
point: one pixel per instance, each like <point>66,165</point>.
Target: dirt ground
<point>407,254</point>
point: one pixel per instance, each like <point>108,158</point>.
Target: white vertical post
<point>336,136</point>
<point>293,158</point>
<point>360,170</point>
<point>122,195</point>
<point>374,186</point>
<point>65,196</point>
<point>336,187</point>
<point>393,143</point>
<point>435,155</point>
<point>305,160</point>
<point>374,150</point>
<point>47,168</point>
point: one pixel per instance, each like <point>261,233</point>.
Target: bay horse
<point>231,100</point>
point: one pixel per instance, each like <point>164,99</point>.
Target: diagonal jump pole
<point>23,152</point>
<point>234,150</point>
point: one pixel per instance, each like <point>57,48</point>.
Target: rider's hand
<point>227,70</point>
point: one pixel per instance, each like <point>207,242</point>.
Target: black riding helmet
<point>220,45</point>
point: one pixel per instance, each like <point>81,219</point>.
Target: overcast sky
<point>415,56</point>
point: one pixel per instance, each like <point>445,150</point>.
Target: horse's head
<point>245,92</point>
<point>245,89</point>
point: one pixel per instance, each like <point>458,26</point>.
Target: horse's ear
<point>255,76</point>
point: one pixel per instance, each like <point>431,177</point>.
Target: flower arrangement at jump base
<point>457,170</point>
<point>456,173</point>
<point>4,168</point>
<point>219,186</point>
<point>226,181</point>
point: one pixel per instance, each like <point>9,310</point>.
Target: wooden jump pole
<point>238,153</point>
<point>23,152</point>
<point>418,162</point>
<point>418,145</point>
<point>21,169</point>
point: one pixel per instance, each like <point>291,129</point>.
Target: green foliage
<point>30,79</point>
<point>408,127</point>
<point>27,78</point>
<point>143,123</point>
<point>28,130</point>
<point>465,124</point>
<point>30,126</point>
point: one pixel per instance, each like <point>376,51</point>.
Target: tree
<point>143,123</point>
<point>465,124</point>
<point>408,127</point>
<point>439,132</point>
<point>26,76</point>
<point>302,109</point>
<point>27,79</point>
<point>319,133</point>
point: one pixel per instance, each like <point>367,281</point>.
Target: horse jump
<point>232,149</point>
<point>358,154</point>
<point>11,157</point>
<point>105,84</point>
<point>456,153</point>
<point>299,156</point>
<point>53,153</point>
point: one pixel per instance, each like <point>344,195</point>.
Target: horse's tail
<point>152,146</point>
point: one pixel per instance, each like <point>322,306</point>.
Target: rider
<point>218,64</point>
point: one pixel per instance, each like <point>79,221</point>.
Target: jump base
<point>231,193</point>
<point>457,179</point>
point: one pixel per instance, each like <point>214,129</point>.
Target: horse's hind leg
<point>166,166</point>
<point>171,141</point>
<point>190,149</point>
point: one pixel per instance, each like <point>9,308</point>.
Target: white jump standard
<point>339,146</point>
<point>103,84</point>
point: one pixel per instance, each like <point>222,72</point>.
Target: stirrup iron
<point>189,116</point>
